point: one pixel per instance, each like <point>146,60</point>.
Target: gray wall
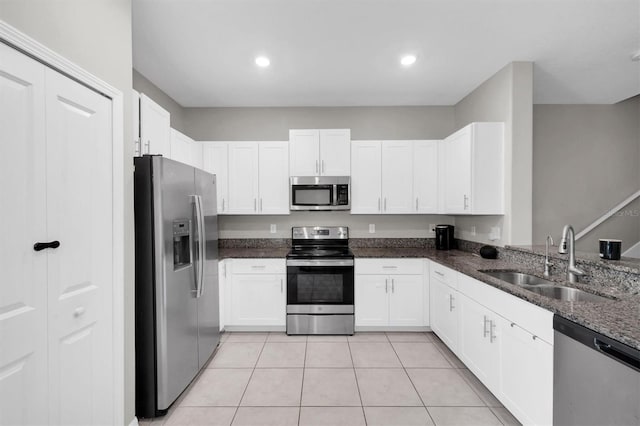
<point>236,124</point>
<point>586,160</point>
<point>263,124</point>
<point>143,85</point>
<point>97,36</point>
<point>507,97</point>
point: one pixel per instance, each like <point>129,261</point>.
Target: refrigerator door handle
<point>201,247</point>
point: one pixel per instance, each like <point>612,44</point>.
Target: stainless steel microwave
<point>320,193</point>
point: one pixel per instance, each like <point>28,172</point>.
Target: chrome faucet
<point>568,243</point>
<point>547,264</point>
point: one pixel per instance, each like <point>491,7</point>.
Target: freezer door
<point>208,302</point>
<point>176,303</point>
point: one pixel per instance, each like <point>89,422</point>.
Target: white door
<point>79,215</point>
<point>274,177</point>
<point>243,178</point>
<point>406,300</point>
<point>23,292</point>
<point>366,177</point>
<point>425,176</point>
<point>258,299</point>
<point>397,177</point>
<point>458,172</point>
<point>371,300</point>
<point>155,126</point>
<point>335,152</point>
<point>304,152</point>
<point>216,160</point>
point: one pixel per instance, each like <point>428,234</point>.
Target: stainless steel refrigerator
<point>176,289</point>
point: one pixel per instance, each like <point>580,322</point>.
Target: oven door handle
<point>320,262</point>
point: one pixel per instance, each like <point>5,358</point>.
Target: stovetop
<point>319,251</point>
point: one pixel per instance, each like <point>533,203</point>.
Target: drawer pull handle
<point>439,273</point>
<point>389,267</point>
<point>485,332</point>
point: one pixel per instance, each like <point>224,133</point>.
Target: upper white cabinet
<point>252,177</point>
<point>155,128</point>
<point>394,177</point>
<point>215,159</point>
<point>324,152</point>
<point>181,147</point>
<point>474,170</point>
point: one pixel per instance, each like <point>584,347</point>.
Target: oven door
<point>320,282</point>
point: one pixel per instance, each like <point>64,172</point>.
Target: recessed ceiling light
<point>408,60</point>
<point>262,61</point>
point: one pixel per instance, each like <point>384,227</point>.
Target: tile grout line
<point>357,383</point>
<point>413,384</point>
<point>304,369</point>
<point>249,381</point>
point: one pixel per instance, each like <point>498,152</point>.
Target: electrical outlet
<point>372,228</point>
<point>273,228</point>
<point>495,233</point>
<point>473,231</point>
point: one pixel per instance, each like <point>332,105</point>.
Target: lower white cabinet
<point>526,374</point>
<point>390,293</point>
<point>255,292</point>
<point>444,303</point>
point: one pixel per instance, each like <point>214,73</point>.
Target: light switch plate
<point>273,228</point>
<point>372,228</point>
<point>495,233</point>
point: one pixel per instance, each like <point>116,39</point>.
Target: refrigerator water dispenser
<point>181,243</point>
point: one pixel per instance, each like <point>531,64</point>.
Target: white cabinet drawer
<point>532,318</point>
<point>258,266</point>
<point>444,274</point>
<point>389,266</point>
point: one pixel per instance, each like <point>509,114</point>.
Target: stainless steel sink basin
<point>567,294</point>
<point>545,287</point>
<point>517,278</point>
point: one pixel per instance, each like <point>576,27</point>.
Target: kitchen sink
<point>517,278</point>
<point>545,287</point>
<point>567,294</point>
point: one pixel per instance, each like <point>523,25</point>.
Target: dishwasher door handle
<point>616,354</point>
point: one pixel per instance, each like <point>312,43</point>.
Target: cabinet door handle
<point>386,285</point>
<point>416,204</point>
<point>255,205</point>
<point>281,286</point>
<point>451,307</point>
<point>439,273</point>
<point>42,246</point>
<point>466,201</point>
<point>385,204</point>
<point>258,266</point>
<point>378,203</point>
<point>393,287</point>
<point>323,166</point>
<point>485,332</point>
<point>317,168</point>
<point>492,327</point>
<point>260,204</point>
<point>148,145</point>
<point>389,267</point>
<point>222,204</point>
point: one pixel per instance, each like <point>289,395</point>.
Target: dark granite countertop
<point>618,318</point>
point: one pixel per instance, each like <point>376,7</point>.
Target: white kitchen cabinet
<point>215,159</point>
<point>479,341</point>
<point>526,374</point>
<point>197,159</point>
<point>397,177</point>
<point>324,152</point>
<point>135,125</point>
<point>444,312</point>
<point>255,293</point>
<point>394,177</point>
<point>390,292</point>
<point>273,177</point>
<point>425,176</point>
<point>155,128</point>
<point>253,177</point>
<point>181,149</point>
<point>474,170</point>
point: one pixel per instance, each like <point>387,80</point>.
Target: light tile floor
<point>386,379</point>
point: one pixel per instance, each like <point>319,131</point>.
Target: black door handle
<point>42,246</point>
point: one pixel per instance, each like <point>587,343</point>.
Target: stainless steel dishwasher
<point>596,380</point>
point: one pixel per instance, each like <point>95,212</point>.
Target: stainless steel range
<point>320,281</point>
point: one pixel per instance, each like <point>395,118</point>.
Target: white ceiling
<point>346,52</point>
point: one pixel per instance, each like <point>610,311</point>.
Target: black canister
<point>610,249</point>
<point>444,237</point>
